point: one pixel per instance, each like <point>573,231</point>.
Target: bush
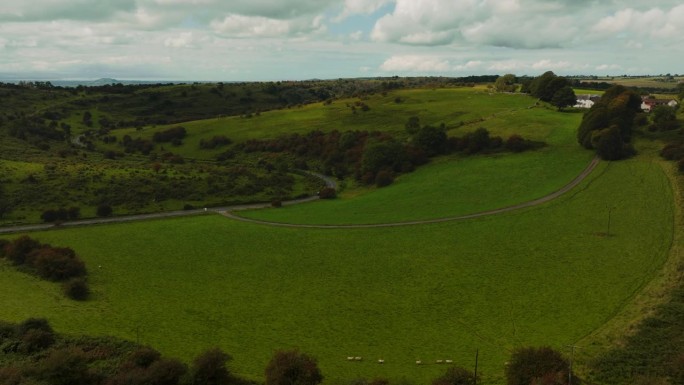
<point>18,250</point>
<point>56,264</point>
<point>290,367</point>
<point>455,376</point>
<point>276,203</point>
<point>104,210</point>
<point>537,365</point>
<point>34,324</point>
<point>35,340</point>
<point>209,368</point>
<point>64,367</point>
<point>327,193</point>
<point>76,289</point>
<point>384,178</point>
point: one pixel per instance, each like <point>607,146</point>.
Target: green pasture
<point>458,185</point>
<point>388,113</point>
<point>549,275</point>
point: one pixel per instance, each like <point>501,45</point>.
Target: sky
<point>263,40</point>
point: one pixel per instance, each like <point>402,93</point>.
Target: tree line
<point>32,353</point>
<point>57,264</point>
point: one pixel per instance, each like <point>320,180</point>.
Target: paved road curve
<point>329,182</point>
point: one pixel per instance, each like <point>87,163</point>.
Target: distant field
<point>539,276</point>
<point>458,185</point>
<point>646,82</point>
<point>388,113</point>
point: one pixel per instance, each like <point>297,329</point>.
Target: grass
<point>450,106</point>
<point>458,185</point>
<point>419,292</point>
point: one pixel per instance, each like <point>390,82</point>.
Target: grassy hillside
<point>420,292</point>
<point>458,185</point>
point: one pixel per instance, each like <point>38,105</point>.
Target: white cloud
<point>415,63</point>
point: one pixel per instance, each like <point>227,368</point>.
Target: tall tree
<point>564,97</point>
<point>505,83</point>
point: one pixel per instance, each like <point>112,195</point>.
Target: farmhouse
<point>586,100</point>
<point>648,103</point>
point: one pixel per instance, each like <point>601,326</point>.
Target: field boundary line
<point>229,213</point>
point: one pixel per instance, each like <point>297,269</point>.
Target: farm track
<point>329,182</point>
<point>545,199</point>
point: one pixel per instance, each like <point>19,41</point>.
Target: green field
<point>458,185</point>
<point>451,106</point>
<point>548,275</point>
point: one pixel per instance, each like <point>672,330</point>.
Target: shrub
<point>290,367</point>
<point>64,367</point>
<point>35,340</point>
<point>209,368</point>
<point>327,193</point>
<point>3,245</point>
<point>536,365</point>
<point>276,203</point>
<point>34,324</point>
<point>76,289</point>
<point>18,250</point>
<point>455,376</point>
<point>384,178</point>
<point>57,264</point>
<point>144,357</point>
<point>165,371</point>
<point>104,210</point>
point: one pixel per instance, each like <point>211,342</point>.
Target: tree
<point>564,97</point>
<point>5,205</point>
<point>609,123</point>
<point>104,210</point>
<point>209,368</point>
<point>529,366</point>
<point>664,118</point>
<point>290,367</point>
<point>455,376</point>
<point>412,125</point>
<point>505,83</point>
<point>433,140</point>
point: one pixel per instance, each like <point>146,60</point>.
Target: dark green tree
<point>564,97</point>
<point>616,111</point>
<point>412,125</point>
<point>505,83</point>
<point>664,118</point>
<point>433,140</point>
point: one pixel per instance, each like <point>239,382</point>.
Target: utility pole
<point>477,354</point>
<point>572,357</point>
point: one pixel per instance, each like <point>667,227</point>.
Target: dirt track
<point>536,202</point>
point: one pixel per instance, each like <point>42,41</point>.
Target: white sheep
<point>381,361</point>
<point>419,362</point>
<point>449,361</point>
<point>357,358</point>
<point>440,361</point>
<point>350,358</point>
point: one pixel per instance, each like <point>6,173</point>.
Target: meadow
<point>457,184</point>
<point>549,275</point>
<point>388,112</point>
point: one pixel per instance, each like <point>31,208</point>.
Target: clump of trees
<point>506,83</point>
<point>551,88</point>
<point>664,118</point>
<point>60,214</point>
<point>214,142</point>
<point>174,135</point>
<point>607,126</point>
<point>57,264</point>
<point>377,158</point>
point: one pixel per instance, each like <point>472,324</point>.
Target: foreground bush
<point>76,289</point>
<point>290,367</point>
<point>543,366</point>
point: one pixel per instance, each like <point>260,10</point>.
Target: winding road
<point>329,182</point>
